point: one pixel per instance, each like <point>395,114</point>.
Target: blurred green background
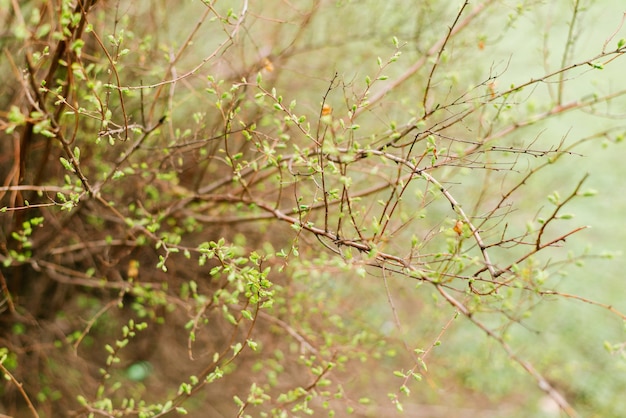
<point>468,375</point>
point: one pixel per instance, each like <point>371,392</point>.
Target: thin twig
<point>20,388</point>
<point>542,383</point>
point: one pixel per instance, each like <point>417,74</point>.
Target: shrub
<point>299,208</point>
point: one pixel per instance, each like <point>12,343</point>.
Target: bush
<point>301,208</point>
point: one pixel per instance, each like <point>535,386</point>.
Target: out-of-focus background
<point>207,205</point>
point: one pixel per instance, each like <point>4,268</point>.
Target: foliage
<point>299,208</point>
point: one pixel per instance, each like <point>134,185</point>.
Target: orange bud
<point>458,227</point>
<point>267,65</point>
<point>133,269</point>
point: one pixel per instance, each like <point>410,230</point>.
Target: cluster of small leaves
<point>103,400</point>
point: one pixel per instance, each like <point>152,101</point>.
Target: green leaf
<point>597,65</point>
<point>167,406</point>
<point>66,164</point>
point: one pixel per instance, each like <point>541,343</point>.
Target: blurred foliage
<point>308,208</point>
